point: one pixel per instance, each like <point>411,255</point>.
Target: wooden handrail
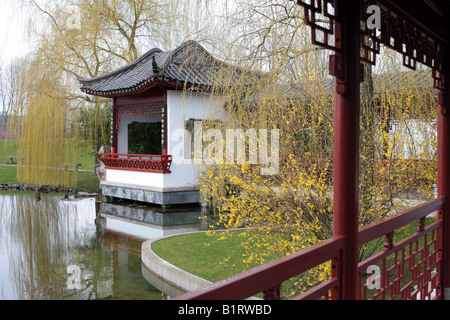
<point>362,266</point>
<point>268,275</point>
<point>392,223</point>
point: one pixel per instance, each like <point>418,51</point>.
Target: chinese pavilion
<point>149,102</point>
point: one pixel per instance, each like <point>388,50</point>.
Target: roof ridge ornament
<point>155,67</point>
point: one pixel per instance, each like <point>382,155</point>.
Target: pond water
<point>67,248</point>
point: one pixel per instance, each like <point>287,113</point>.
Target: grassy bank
<point>211,257</point>
<point>203,255</point>
<point>86,181</point>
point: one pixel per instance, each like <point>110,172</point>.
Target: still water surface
<point>40,240</point>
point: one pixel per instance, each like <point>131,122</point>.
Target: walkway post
<point>347,70</point>
<point>113,126</point>
<point>444,174</point>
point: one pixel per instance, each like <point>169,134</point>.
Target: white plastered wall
<point>182,106</point>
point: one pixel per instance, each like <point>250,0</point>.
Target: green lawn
<point>86,181</point>
<point>211,257</point>
<point>203,255</point>
<point>8,174</point>
<point>8,148</point>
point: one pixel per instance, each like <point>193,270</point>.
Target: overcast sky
<point>13,19</point>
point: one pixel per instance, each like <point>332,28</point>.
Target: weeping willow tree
<point>57,124</point>
<point>41,116</point>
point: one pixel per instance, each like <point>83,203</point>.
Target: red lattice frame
<point>320,16</point>
<point>397,33</point>
<point>410,269</point>
<point>403,36</point>
<point>141,110</point>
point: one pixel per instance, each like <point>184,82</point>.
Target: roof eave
<point>135,90</point>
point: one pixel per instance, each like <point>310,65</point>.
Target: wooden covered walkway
<point>418,30</point>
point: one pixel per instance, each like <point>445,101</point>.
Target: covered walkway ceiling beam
<point>430,16</point>
<point>412,28</point>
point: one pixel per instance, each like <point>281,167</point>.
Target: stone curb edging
<point>182,280</point>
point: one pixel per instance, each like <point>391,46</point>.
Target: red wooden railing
<point>409,269</point>
<point>137,162</point>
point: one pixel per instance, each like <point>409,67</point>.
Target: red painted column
<point>346,144</point>
<point>444,174</point>
<point>164,125</point>
<point>113,129</point>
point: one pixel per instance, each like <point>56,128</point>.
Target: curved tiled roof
<point>189,64</point>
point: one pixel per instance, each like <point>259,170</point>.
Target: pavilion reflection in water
<point>124,227</point>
